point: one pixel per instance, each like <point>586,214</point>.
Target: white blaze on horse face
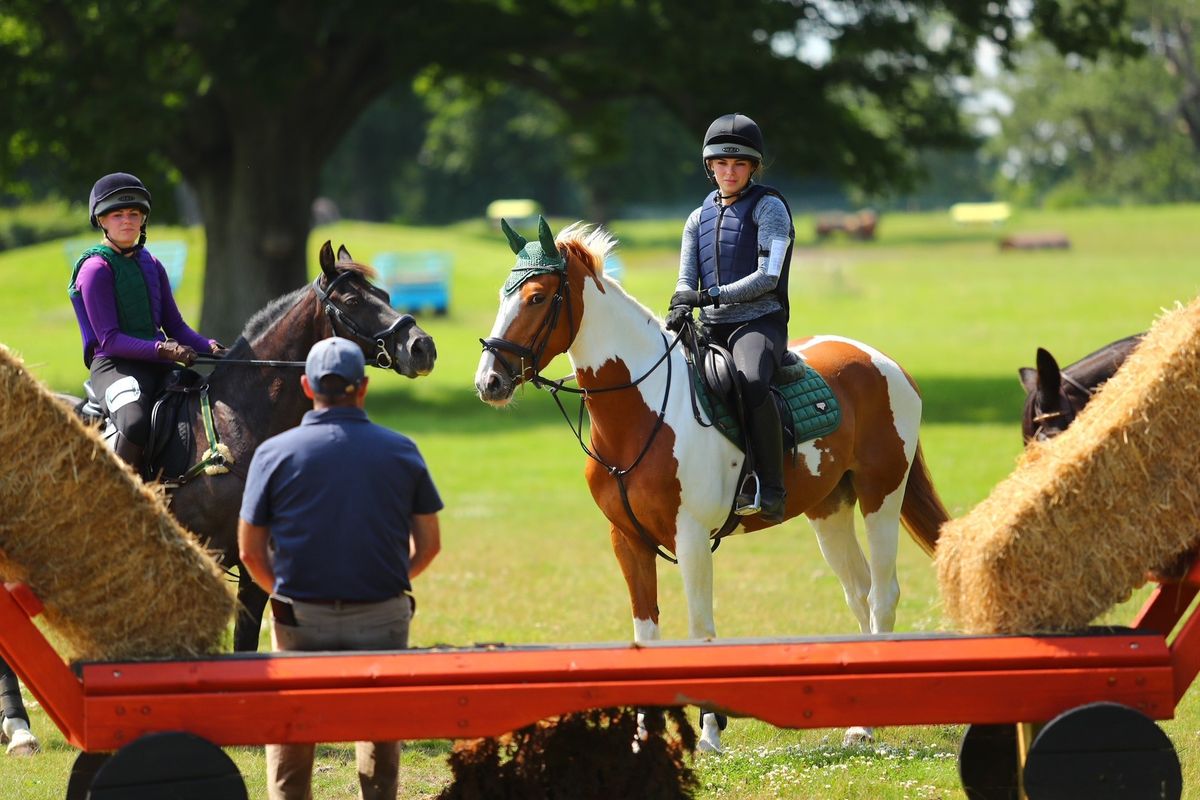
<point>506,315</point>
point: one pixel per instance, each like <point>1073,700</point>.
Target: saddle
<point>172,445</point>
<point>808,408</point>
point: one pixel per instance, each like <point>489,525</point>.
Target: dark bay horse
<point>251,403</point>
<point>679,475</point>
<point>1054,396</point>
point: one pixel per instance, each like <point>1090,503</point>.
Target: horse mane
<point>592,244</point>
<point>266,316</point>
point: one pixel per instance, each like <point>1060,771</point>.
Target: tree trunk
<point>257,217</point>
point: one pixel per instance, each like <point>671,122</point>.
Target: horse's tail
<point>922,511</point>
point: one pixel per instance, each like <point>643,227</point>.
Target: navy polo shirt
<point>337,493</point>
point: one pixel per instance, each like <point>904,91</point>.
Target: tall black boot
<point>766,441</point>
<point>132,454</point>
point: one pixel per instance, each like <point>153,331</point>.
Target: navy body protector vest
<point>728,241</point>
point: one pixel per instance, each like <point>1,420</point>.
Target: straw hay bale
<point>1084,515</point>
<point>119,578</point>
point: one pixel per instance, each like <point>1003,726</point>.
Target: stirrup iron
<point>754,506</point>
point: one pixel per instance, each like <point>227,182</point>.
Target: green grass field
<point>526,556</point>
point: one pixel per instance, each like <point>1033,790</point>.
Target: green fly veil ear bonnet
<point>533,258</point>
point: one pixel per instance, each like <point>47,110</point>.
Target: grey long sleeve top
<point>754,295</point>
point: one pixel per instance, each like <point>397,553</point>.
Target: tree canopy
<point>245,100</point>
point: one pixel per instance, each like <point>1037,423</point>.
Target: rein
<point>533,352</point>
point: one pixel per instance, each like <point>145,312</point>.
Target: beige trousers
<point>378,626</point>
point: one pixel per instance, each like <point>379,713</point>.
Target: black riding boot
<point>132,454</point>
<point>766,442</point>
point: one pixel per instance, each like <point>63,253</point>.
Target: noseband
<point>350,328</point>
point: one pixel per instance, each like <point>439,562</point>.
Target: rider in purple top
<point>133,333</point>
<point>99,322</point>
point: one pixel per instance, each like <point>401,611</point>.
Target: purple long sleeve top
<point>96,311</point>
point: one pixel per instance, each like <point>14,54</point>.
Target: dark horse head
<point>261,396</point>
<point>1054,396</point>
<point>360,311</point>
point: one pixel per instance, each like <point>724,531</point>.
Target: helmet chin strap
<point>141,242</point>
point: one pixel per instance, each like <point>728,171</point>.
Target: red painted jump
<point>903,679</point>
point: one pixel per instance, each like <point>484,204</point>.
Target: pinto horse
<point>255,393</point>
<point>666,481</point>
<point>1054,396</point>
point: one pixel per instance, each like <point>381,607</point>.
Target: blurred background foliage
<point>241,114</point>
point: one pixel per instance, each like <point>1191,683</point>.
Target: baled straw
<point>1083,516</point>
<point>118,576</point>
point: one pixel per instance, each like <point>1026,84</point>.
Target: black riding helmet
<point>115,191</point>
<point>118,190</point>
<point>732,136</point>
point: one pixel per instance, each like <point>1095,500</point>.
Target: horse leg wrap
<point>722,720</point>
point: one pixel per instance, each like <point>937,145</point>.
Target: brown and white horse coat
<point>682,489</point>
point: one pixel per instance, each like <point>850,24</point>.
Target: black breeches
<point>11,706</point>
<point>127,389</point>
<point>757,347</point>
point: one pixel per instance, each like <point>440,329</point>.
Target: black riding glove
<point>677,317</point>
<point>693,298</point>
<point>687,297</point>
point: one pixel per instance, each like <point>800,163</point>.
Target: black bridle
<point>1040,431</point>
<point>533,354</point>
<point>350,328</point>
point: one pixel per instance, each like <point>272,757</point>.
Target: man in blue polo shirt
<point>338,515</point>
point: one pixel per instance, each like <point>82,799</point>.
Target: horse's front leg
<point>694,552</point>
<point>252,602</point>
<point>641,576</point>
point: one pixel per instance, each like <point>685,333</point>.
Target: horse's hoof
<point>858,735</point>
<point>705,746</point>
<point>22,743</point>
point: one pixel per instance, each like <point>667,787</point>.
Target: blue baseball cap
<point>335,356</point>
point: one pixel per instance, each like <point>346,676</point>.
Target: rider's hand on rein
<point>179,353</point>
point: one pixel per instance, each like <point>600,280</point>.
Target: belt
<point>337,604</point>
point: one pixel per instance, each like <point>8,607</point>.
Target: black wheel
<point>181,766</point>
<point>1102,751</point>
<point>987,762</point>
<point>83,772</point>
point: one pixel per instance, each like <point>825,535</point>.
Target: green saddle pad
<point>814,409</point>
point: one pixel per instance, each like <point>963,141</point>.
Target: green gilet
<point>132,294</point>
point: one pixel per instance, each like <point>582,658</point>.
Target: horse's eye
<point>537,300</point>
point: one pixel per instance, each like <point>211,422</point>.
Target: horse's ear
<point>546,237</point>
<point>515,240</point>
<point>1028,379</point>
<point>1049,378</point>
<point>344,254</point>
<point>326,259</point>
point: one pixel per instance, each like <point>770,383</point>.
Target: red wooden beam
<point>903,679</point>
<point>36,663</point>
